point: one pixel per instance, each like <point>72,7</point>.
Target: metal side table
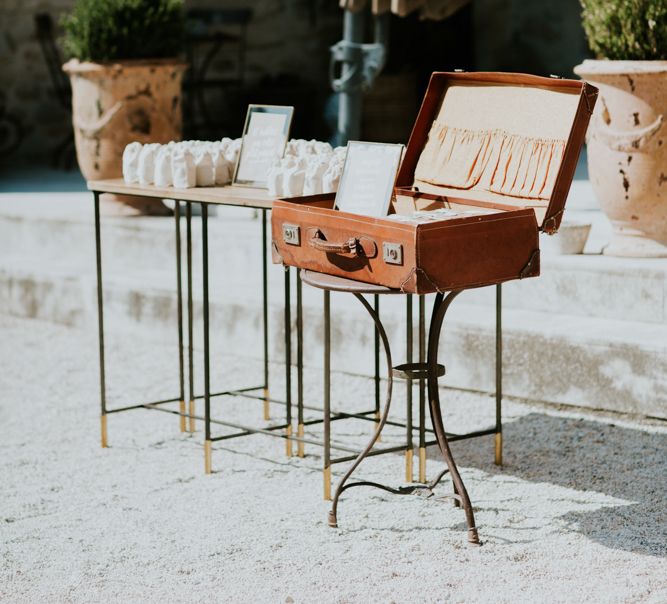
<point>429,370</point>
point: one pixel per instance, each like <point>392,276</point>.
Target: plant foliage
<point>626,29</point>
<point>110,30</point>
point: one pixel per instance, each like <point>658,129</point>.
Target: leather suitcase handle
<point>357,246</point>
<point>348,247</point>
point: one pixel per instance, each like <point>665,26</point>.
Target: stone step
<point>59,232</point>
<point>550,357</point>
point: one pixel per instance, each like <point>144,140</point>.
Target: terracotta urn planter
<point>117,103</point>
<point>627,152</point>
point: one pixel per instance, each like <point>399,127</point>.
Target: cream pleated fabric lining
<point>492,160</point>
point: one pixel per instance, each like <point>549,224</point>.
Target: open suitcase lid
<point>509,140</point>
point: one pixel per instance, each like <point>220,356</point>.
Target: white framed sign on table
<point>368,179</point>
<point>264,137</point>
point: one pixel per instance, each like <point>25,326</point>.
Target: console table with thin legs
<point>220,196</point>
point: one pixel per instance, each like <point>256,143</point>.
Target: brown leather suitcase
<point>502,147</point>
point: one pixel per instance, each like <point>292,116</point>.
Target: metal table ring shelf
<point>430,370</point>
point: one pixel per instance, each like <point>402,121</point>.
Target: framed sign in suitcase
<point>494,152</point>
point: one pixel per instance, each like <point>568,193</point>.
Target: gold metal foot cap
<point>267,411</point>
<point>207,457</point>
<point>327,484</point>
<point>422,464</point>
<point>191,413</point>
<point>288,441</point>
<point>408,465</point>
<point>499,449</point>
<point>181,410</point>
<point>300,448</point>
<point>103,431</point>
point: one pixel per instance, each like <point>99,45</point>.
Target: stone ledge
<point>57,230</point>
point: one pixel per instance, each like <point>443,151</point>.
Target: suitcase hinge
<point>590,96</point>
<point>525,271</point>
<point>549,225</point>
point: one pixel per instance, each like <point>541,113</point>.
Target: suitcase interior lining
<point>490,160</point>
<point>498,143</point>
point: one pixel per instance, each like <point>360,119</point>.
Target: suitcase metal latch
<point>291,234</point>
<point>392,253</point>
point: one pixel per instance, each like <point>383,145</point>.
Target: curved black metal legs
<point>461,495</point>
<point>383,418</point>
<point>433,371</point>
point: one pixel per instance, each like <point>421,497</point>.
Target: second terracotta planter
<point>627,153</point>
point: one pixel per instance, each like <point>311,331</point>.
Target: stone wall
<point>24,79</point>
<point>291,38</point>
<point>284,37</point>
<point>543,37</point>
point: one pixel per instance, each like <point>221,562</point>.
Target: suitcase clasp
<point>392,253</point>
<point>291,234</point>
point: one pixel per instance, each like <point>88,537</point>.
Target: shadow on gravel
<point>589,456</point>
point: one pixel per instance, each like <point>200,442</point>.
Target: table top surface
<point>232,195</point>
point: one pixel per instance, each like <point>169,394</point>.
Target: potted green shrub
<point>126,77</point>
<point>627,145</point>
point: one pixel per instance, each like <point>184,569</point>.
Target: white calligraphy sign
<point>264,137</point>
<point>368,179</point>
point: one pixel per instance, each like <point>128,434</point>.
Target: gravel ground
<point>576,514</point>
